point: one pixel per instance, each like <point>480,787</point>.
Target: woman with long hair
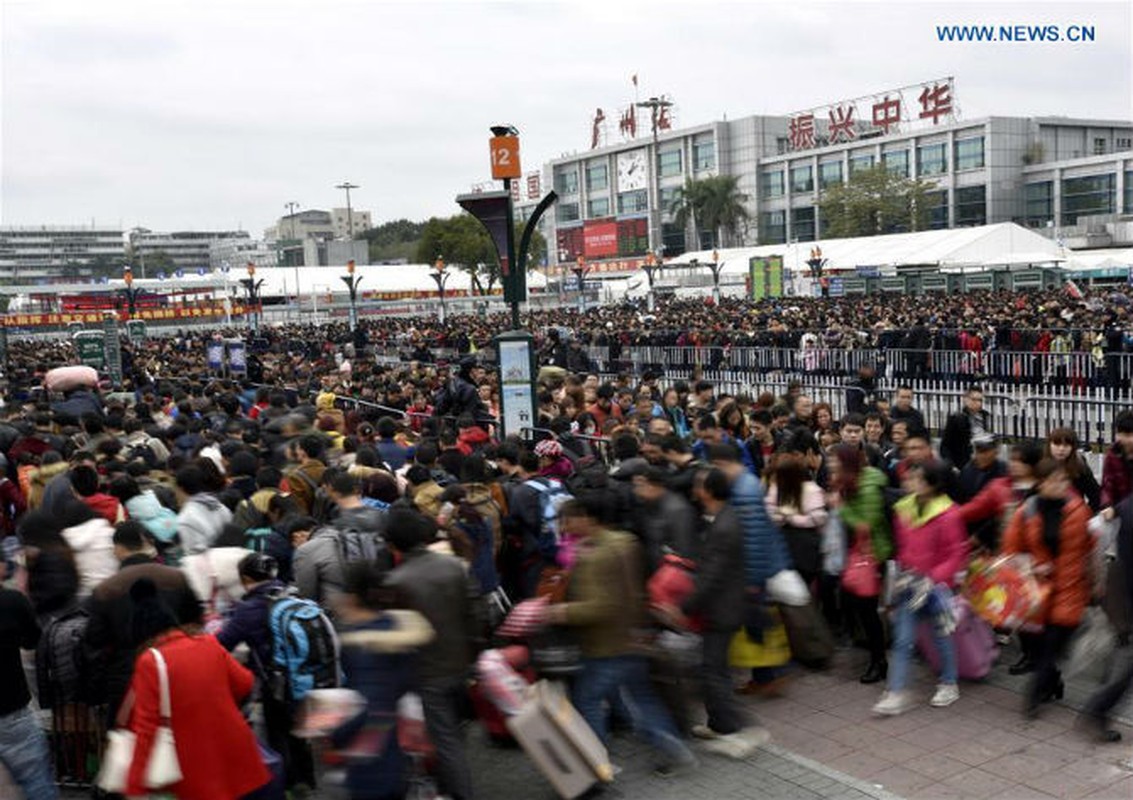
<point>671,407</point>
<point>216,749</point>
<point>824,419</point>
<point>732,421</point>
<point>1051,528</point>
<point>857,495</point>
<point>1062,445</point>
<point>798,506</point>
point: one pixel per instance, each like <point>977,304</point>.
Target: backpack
<point>552,495</point>
<point>142,452</point>
<point>357,545</point>
<point>59,661</point>
<point>304,648</point>
<point>256,539</point>
<point>322,507</point>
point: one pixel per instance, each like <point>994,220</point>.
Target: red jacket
<point>1069,581</point>
<point>1117,477</point>
<point>105,505</point>
<point>472,439</point>
<point>931,540</point>
<point>216,748</point>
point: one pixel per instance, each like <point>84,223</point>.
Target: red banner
<point>169,312</point>
<point>600,239</point>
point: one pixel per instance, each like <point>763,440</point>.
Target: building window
<point>669,196</point>
<point>802,224</point>
<point>861,163</point>
<point>598,207</point>
<point>597,177</point>
<point>773,227</point>
<point>673,237</point>
<point>829,174</point>
<point>1092,194</point>
<point>771,182</point>
<point>633,202</point>
<point>1123,144</point>
<point>802,180</point>
<point>932,159</point>
<point>969,153</point>
<point>971,206</point>
<point>566,182</point>
<point>1099,147</point>
<point>567,212</point>
<point>669,163</point>
<point>703,155</point>
<point>897,162</point>
<point>936,205</point>
<point>1038,203</point>
<point>1129,192</point>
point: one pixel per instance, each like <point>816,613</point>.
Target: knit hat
<point>548,448</point>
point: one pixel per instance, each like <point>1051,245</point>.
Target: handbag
<point>163,769</point>
<point>861,578</point>
<point>786,586</point>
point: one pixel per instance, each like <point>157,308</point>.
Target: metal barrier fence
<point>1017,412</point>
<point>1079,369</point>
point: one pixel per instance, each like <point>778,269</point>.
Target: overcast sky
<point>213,115</point>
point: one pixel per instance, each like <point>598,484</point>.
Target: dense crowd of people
<point>169,540</point>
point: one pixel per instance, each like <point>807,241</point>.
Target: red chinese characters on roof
<point>887,113</point>
<point>627,125</point>
<point>936,102</point>
<point>842,124</point>
<point>801,132</point>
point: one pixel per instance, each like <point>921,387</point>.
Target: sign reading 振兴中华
<point>921,105</point>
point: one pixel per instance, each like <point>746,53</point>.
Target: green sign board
<point>136,330</point>
<point>893,283</point>
<point>90,349</point>
<point>766,276</point>
<point>854,285</point>
<point>934,283</point>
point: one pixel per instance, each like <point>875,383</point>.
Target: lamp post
<point>656,106</point>
<point>652,267</point>
<point>130,292</point>
<point>291,206</point>
<point>253,288</point>
<point>716,266</point>
<point>580,271</point>
<point>347,185</point>
<point>440,275</point>
<point>816,262</point>
<point>352,286</point>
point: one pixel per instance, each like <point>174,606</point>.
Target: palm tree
<point>713,204</point>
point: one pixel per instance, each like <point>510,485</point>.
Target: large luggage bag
<point>973,640</point>
<point>556,737</point>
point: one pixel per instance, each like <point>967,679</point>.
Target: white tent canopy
<point>1001,244</point>
<point>1101,259</point>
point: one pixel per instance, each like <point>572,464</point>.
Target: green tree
<point>397,239</point>
<point>465,244</point>
<point>715,205</point>
<point>875,202</point>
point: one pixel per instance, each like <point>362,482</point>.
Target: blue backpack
<point>552,495</point>
<point>304,648</point>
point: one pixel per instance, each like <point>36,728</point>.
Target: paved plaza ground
<point>826,744</point>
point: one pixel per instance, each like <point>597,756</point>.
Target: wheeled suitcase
<point>558,740</point>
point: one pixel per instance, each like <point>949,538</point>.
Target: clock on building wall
<point>631,171</point>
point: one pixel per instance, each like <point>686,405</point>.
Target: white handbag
<point>787,587</point>
<point>163,768</point>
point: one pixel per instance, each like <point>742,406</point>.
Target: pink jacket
<point>933,540</point>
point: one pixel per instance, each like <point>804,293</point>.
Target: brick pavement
<point>979,748</point>
<point>827,744</point>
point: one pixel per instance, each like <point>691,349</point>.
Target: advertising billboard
<point>600,239</point>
